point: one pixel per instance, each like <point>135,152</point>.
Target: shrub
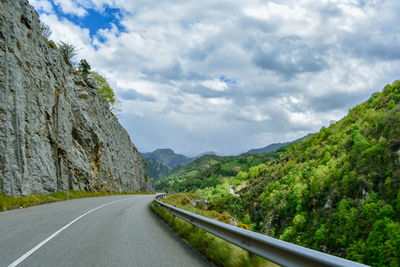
<point>52,44</point>
<point>67,51</point>
<point>104,89</point>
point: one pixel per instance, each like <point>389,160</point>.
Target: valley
<point>336,191</point>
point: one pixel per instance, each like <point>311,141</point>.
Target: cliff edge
<point>56,133</point>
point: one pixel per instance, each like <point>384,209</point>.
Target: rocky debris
<point>236,169</point>
<point>233,222</point>
<point>200,203</point>
<point>328,204</point>
<point>232,192</point>
<point>56,133</point>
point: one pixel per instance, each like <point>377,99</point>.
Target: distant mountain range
<point>275,146</point>
<point>168,157</point>
<point>162,162</point>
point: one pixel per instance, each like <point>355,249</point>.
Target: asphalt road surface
<point>101,231</point>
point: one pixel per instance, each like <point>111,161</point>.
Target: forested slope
<point>211,170</point>
<point>337,191</point>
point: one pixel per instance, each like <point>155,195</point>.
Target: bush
<point>67,51</point>
<point>104,89</point>
<point>52,44</point>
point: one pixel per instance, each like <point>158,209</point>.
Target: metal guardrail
<point>272,249</point>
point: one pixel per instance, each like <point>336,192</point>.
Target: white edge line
<point>27,254</point>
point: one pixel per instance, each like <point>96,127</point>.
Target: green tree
<point>67,51</point>
<point>84,67</point>
<point>104,89</point>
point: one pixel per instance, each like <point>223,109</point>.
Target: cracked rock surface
<point>56,133</point>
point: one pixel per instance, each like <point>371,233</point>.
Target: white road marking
<point>27,254</point>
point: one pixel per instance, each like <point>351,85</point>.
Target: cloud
<point>288,56</point>
<point>134,95</point>
<point>71,7</point>
<point>230,76</point>
<point>42,5</point>
<point>373,47</point>
<point>65,30</point>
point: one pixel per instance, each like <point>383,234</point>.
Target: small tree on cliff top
<point>84,67</point>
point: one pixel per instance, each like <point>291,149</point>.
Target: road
<point>113,231</point>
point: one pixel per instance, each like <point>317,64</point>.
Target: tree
<point>104,89</point>
<point>67,51</point>
<point>84,67</point>
<point>45,29</point>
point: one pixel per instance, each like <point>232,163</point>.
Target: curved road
<point>114,231</point>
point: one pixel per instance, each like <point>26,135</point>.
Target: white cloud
<point>71,7</point>
<point>296,65</point>
<point>66,31</point>
<point>42,5</point>
<point>215,84</point>
<point>273,11</point>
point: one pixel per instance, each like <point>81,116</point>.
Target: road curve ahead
<point>101,231</point>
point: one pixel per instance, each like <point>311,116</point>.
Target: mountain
<point>337,191</point>
<point>275,146</point>
<point>196,174</point>
<point>209,170</point>
<point>156,169</point>
<point>168,157</point>
<point>56,133</point>
<point>161,162</point>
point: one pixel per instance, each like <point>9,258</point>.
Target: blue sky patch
<point>95,20</point>
<point>224,79</point>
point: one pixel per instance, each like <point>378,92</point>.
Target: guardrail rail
<point>272,249</point>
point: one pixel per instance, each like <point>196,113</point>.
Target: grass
<point>52,44</point>
<point>215,249</point>
<point>9,202</point>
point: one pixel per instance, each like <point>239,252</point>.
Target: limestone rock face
<point>56,133</point>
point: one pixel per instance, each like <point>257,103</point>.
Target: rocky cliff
<point>56,133</point>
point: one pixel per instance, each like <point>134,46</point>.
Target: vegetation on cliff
<point>68,52</point>
<point>104,88</point>
<point>57,134</point>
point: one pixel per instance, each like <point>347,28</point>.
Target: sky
<point>229,76</point>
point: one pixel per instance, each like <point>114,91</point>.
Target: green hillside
<point>337,191</point>
<point>157,169</point>
<point>210,170</point>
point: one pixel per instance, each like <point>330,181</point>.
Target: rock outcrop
<point>56,133</point>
